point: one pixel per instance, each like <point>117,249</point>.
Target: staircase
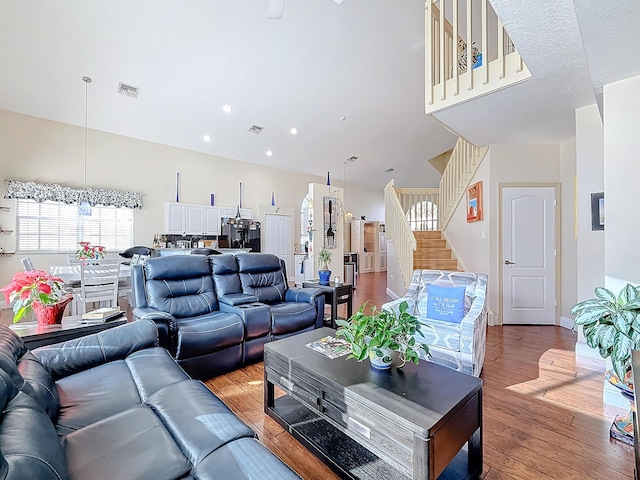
<point>419,245</point>
<point>432,252</point>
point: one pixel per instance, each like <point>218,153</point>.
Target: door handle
<point>507,262</point>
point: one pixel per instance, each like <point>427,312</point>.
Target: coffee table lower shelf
<point>346,457</point>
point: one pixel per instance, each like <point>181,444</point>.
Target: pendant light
<point>348,216</point>
<point>84,207</point>
<point>238,216</point>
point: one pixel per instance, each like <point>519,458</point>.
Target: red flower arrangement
<point>87,251</point>
<point>29,287</point>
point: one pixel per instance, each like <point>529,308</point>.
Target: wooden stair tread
<point>432,252</point>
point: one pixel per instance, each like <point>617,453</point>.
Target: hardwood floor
<point>543,414</point>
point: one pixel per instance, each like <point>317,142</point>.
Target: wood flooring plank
<point>543,413</point>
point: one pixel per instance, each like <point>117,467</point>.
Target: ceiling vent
<point>255,129</point>
<point>128,90</point>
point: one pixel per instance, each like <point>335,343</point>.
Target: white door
<point>277,238</point>
<point>528,255</point>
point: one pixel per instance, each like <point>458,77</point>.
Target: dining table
<point>70,274</point>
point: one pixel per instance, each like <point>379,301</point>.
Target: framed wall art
<point>597,211</point>
<point>474,202</point>
<point>330,225</point>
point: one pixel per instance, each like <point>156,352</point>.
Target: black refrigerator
<point>240,234</point>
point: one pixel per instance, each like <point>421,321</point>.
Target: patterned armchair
<point>459,345</point>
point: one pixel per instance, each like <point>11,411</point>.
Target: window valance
<point>41,192</point>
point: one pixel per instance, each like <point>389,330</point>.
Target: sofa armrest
<point>72,356</point>
<point>475,318</point>
<point>302,295</point>
<point>233,299</point>
<point>165,323</point>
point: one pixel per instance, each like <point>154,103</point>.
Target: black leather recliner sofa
<point>114,406</point>
<point>216,313</point>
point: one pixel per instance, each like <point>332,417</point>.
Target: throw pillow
<point>445,303</point>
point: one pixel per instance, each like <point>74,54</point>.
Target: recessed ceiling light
<point>294,131</point>
<point>269,153</point>
<point>227,108</point>
<point>343,117</point>
<point>206,138</point>
<point>389,170</point>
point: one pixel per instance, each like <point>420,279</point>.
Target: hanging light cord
<point>86,81</point>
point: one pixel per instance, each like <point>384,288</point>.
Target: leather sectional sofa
<point>114,406</point>
<point>215,313</point>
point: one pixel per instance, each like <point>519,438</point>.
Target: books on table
<point>331,347</point>
<point>101,314</point>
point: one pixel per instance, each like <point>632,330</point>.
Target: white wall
<point>470,241</point>
<point>317,192</point>
<point>589,179</point>
<point>621,179</point>
<point>51,152</point>
<point>515,164</point>
<point>568,242</point>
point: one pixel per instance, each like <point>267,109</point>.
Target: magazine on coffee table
<point>331,347</point>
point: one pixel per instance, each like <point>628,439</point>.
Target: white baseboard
<point>492,318</point>
<point>566,322</point>
<point>392,294</point>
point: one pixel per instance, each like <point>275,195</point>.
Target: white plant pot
<point>381,362</point>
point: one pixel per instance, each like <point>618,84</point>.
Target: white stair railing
<point>462,63</point>
<point>397,230</point>
<point>463,163</point>
<point>420,206</point>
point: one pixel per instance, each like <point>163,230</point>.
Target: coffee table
<point>419,422</point>
<point>34,335</point>
<point>334,294</point>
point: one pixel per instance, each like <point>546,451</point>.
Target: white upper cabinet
<point>191,219</point>
<point>174,221</point>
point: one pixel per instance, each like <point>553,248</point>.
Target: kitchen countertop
<point>163,252</point>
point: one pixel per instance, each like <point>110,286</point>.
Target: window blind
<point>54,227</point>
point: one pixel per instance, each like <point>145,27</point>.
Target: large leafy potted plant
<point>612,325</point>
<point>324,258</point>
<point>381,333</point>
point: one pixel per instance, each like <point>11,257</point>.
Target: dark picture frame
<point>597,211</point>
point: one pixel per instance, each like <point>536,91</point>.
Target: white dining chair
<point>72,259</point>
<point>27,264</point>
<point>99,283</point>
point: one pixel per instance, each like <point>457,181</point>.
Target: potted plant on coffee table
<point>324,258</point>
<point>38,291</point>
<point>612,325</point>
<point>381,333</point>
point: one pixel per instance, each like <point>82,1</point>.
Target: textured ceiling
<point>363,60</point>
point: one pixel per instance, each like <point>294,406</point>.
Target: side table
<point>34,335</point>
<point>334,294</point>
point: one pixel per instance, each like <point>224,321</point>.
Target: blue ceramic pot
<point>325,276</point>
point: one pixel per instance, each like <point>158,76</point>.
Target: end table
<point>334,294</point>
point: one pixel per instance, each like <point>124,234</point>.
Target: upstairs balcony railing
<point>468,53</point>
